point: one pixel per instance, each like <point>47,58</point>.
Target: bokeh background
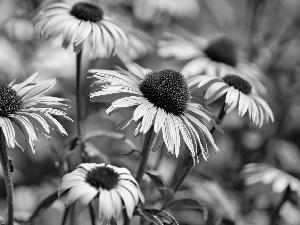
<point>267,33</point>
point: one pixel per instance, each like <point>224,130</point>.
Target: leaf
<point>44,205</point>
<point>133,151</point>
<point>167,193</point>
<point>187,204</point>
<point>164,216</point>
<point>109,134</point>
<point>148,216</point>
<point>71,143</point>
<point>157,181</point>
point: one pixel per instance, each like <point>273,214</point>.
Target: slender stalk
<point>7,179</point>
<point>275,214</point>
<point>78,96</point>
<point>65,216</point>
<point>92,214</point>
<point>145,154</point>
<point>188,161</point>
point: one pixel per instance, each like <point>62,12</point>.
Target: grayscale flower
<point>260,172</point>
<point>238,94</point>
<point>110,186</point>
<point>80,22</point>
<point>160,99</point>
<point>216,57</point>
<point>24,108</point>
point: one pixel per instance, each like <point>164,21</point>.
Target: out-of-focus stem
<point>92,214</point>
<point>145,154</point>
<point>7,179</point>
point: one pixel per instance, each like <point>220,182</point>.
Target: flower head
<point>238,94</point>
<point>160,99</point>
<point>112,187</point>
<point>259,172</point>
<point>77,23</point>
<point>24,108</point>
<point>216,57</point>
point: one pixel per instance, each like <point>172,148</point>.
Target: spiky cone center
<point>166,89</point>
<point>103,177</point>
<point>10,102</point>
<point>87,11</point>
<point>238,83</point>
<point>222,50</point>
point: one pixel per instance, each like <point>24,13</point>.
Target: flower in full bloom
<point>159,99</point>
<point>216,57</point>
<point>111,187</point>
<point>80,22</point>
<point>154,10</point>
<point>238,94</point>
<point>260,172</point>
<point>24,108</point>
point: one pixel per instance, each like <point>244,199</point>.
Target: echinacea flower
<point>80,22</point>
<point>215,57</point>
<point>238,94</point>
<point>260,172</point>
<point>24,108</point>
<point>159,99</point>
<point>111,187</point>
<point>154,10</point>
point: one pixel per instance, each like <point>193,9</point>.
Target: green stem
<point>145,154</point>
<point>7,179</point>
<point>78,96</point>
<point>275,214</point>
<point>92,214</point>
<point>188,161</point>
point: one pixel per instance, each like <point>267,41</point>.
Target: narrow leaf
<point>148,216</point>
<point>44,205</point>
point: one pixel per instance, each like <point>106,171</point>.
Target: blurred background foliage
<point>267,33</point>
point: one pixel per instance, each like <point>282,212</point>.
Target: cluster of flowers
<point>159,100</point>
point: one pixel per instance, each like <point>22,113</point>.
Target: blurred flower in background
<point>139,45</point>
<point>260,172</point>
<point>216,57</point>
<point>112,187</point>
<point>19,29</point>
<point>155,10</point>
<point>24,108</point>
<point>160,99</point>
<point>77,23</point>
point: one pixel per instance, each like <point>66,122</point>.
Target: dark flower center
<point>103,177</point>
<point>222,50</point>
<point>238,83</point>
<point>166,89</point>
<point>87,11</point>
<point>10,102</point>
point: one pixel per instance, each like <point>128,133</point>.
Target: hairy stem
<point>78,96</point>
<point>7,179</point>
<point>145,154</point>
<point>188,163</point>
